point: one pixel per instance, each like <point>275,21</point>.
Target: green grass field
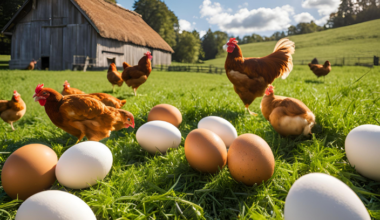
<point>142,186</point>
<point>359,40</point>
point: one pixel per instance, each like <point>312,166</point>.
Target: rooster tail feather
<point>286,47</point>
<point>123,102</point>
<point>125,65</point>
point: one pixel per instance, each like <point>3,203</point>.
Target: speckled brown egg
<point>250,159</point>
<point>165,112</point>
<point>205,151</point>
<point>29,170</point>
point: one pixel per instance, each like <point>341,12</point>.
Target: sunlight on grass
<point>142,186</point>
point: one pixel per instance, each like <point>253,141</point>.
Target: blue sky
<point>242,17</point>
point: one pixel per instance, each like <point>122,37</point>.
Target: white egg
<point>54,204</point>
<point>363,150</point>
<point>83,164</point>
<point>221,127</point>
<point>158,136</point>
<point>318,196</point>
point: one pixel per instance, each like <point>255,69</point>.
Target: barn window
<point>111,60</point>
<point>45,61</point>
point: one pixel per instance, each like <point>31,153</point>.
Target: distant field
<point>360,40</point>
<point>142,186</point>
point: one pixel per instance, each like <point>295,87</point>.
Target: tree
<point>188,47</point>
<point>292,30</point>
<point>221,39</point>
<point>7,10</point>
<point>209,45</point>
<point>158,16</point>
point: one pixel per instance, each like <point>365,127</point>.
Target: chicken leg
<point>135,91</point>
<point>12,126</point>
<point>250,112</point>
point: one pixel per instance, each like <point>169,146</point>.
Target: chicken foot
<point>250,112</point>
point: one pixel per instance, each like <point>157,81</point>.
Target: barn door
<point>56,48</point>
<point>45,48</point>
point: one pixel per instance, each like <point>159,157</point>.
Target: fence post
<point>375,60</point>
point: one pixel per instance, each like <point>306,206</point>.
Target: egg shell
<point>250,159</point>
<point>54,204</point>
<point>205,151</point>
<point>220,126</point>
<point>29,170</point>
<point>83,164</point>
<point>363,149</point>
<point>158,136</point>
<point>165,112</point>
<point>317,196</point>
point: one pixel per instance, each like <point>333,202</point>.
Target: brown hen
<point>114,77</point>
<point>13,110</point>
<point>135,76</point>
<point>67,90</point>
<point>288,116</point>
<point>82,116</point>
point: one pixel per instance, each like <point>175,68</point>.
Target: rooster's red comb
<point>39,88</point>
<point>147,53</point>
<point>14,92</point>
<point>233,41</point>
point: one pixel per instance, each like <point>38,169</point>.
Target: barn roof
<point>114,22</point>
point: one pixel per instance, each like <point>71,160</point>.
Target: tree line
<point>350,12</point>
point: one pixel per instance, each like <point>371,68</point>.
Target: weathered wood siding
<point>55,29</point>
<point>58,30</point>
<point>130,53</point>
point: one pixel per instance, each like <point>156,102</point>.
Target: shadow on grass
<point>314,81</point>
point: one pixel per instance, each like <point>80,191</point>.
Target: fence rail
<point>342,61</point>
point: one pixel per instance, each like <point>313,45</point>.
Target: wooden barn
<point>59,33</point>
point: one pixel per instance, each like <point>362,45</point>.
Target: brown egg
<point>29,170</point>
<point>250,159</point>
<point>165,112</point>
<point>205,151</point>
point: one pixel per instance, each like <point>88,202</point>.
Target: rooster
<point>114,77</point>
<point>251,76</point>
<point>288,116</point>
<point>13,110</point>
<point>135,76</point>
<point>31,65</point>
<point>320,70</point>
<point>67,90</point>
<point>82,116</point>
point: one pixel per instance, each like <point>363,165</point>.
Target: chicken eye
<point>129,119</point>
<point>44,93</point>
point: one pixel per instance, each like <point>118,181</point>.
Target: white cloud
<point>202,33</point>
<point>247,21</point>
<point>195,17</point>
<point>323,20</point>
<point>303,17</point>
<point>120,5</point>
<point>325,7</point>
<point>185,25</point>
<point>306,18</point>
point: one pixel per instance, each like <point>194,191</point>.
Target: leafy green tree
<point>7,9</point>
<point>158,16</point>
<point>221,39</point>
<point>187,48</point>
<point>209,45</point>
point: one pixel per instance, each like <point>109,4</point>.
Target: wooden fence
<point>342,61</point>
